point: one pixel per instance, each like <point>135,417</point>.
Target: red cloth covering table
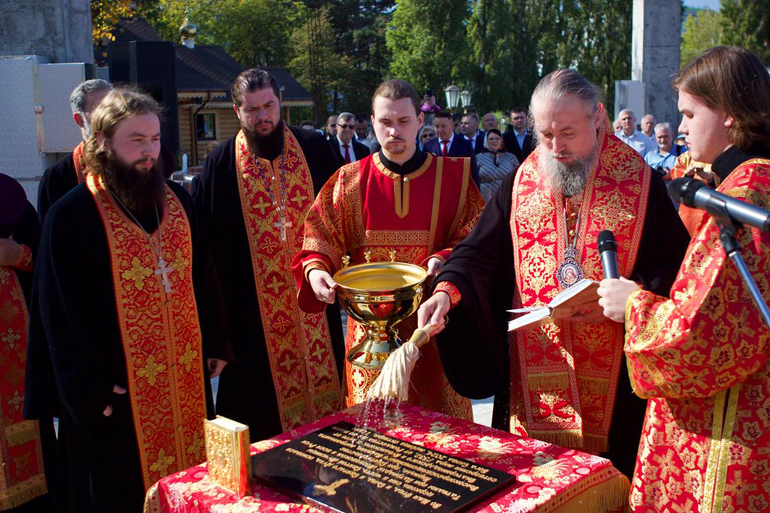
<point>548,477</point>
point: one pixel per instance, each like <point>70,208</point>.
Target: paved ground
<point>482,411</point>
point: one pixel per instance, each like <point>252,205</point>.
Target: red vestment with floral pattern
<point>298,343</point>
<point>160,333</point>
<point>367,208</point>
<point>21,456</point>
<point>701,358</point>
<point>79,161</point>
<point>564,375</point>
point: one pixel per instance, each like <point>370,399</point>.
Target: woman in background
<point>495,163</point>
<point>425,134</point>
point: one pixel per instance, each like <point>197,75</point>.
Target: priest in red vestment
<point>126,317</point>
<point>22,442</point>
<point>701,357</point>
<point>400,200</point>
<point>253,195</point>
<point>564,381</point>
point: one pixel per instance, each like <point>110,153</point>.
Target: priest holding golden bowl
<point>401,205</point>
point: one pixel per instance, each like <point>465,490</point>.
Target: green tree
<point>254,32</point>
<point>428,43</point>
<point>701,31</point>
<point>359,28</point>
<point>746,23</point>
<point>604,49</point>
<point>315,63</point>
<point>516,42</point>
<point>489,39</point>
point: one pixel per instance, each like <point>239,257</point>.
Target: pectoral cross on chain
<point>163,271</point>
<point>283,224</point>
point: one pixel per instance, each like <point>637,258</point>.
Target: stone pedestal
<point>59,30</point>
<point>655,55</point>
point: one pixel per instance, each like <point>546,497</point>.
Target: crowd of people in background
<point>497,142</point>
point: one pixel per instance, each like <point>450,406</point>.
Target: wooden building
<point>204,76</point>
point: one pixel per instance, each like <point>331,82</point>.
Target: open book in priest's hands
<point>560,307</point>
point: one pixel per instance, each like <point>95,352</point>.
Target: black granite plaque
<point>353,469</point>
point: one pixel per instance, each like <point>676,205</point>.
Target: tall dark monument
<point>151,66</point>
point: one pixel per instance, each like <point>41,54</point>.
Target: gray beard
<point>569,179</point>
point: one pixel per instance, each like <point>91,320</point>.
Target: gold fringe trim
<point>727,440</point>
<point>549,381</point>
<point>611,495</point>
<point>23,492</point>
<point>593,386</point>
<point>712,463</point>
<point>571,438</point>
<point>595,443</point>
<point>21,433</point>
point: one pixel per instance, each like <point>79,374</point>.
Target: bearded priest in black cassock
<point>126,314</point>
<point>254,193</point>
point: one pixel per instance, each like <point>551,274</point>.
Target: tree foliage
<point>746,23</point>
<point>702,30</point>
<point>514,43</point>
<point>105,14</point>
<point>359,28</point>
<point>316,64</point>
<point>498,49</point>
<point>427,39</point>
<point>254,32</point>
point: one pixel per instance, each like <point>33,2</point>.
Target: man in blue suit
<point>469,126</point>
<point>449,144</point>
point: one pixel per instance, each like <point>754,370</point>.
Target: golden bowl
<point>379,295</point>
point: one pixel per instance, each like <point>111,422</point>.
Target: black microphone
<point>608,251</point>
<point>696,194</point>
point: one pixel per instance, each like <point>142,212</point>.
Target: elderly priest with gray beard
<point>563,382</point>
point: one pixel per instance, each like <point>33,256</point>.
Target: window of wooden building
<point>205,126</point>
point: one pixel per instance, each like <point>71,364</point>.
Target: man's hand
<point>434,266</point>
<point>9,251</point>
<point>323,285</point>
<point>115,390</point>
<point>214,367</point>
<point>614,296</point>
<point>590,313</point>
<point>431,314</point>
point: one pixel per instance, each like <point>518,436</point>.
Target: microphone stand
<point>733,251</point>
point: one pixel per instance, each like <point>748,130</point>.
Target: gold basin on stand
<point>379,295</point>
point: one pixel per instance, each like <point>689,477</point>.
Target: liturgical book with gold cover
<point>228,454</point>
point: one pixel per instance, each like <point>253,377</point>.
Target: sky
<point>711,4</point>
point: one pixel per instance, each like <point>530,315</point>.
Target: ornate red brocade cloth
<point>548,478</point>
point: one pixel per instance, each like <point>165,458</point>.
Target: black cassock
<point>474,346</point>
<point>75,348</point>
<point>57,181</point>
<point>246,391</point>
